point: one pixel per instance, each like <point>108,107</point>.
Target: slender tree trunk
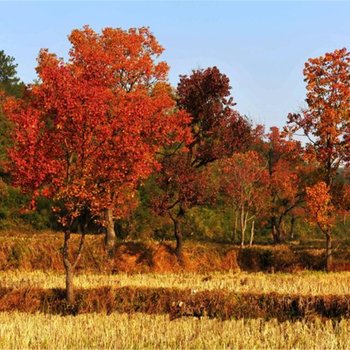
<point>179,240</point>
<point>110,238</point>
<point>244,220</point>
<point>292,226</point>
<point>276,234</point>
<point>329,257</point>
<point>71,262</point>
<point>252,233</point>
<point>178,235</point>
<point>69,269</point>
<point>243,224</point>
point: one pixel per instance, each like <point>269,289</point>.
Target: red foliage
<point>286,168</point>
<point>326,120</point>
<point>89,131</point>
<point>320,206</point>
<point>218,130</point>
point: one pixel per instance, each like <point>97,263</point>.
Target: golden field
<point>302,283</point>
<point>98,331</point>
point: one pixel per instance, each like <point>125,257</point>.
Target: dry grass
<point>138,331</point>
<point>303,283</point>
<point>41,251</point>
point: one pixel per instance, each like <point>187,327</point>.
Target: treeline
<point>102,142</point>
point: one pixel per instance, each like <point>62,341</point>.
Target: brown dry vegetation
<point>177,303</point>
<point>42,251</point>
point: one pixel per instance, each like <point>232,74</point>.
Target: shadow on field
<point>139,252</point>
<point>177,303</point>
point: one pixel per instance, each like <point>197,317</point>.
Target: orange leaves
<point>319,205</point>
<point>125,58</point>
<point>285,166</point>
<point>284,181</point>
<point>87,134</point>
<point>326,121</point>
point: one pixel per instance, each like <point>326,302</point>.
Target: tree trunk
<point>252,233</point>
<point>292,225</point>
<point>242,227</point>
<point>276,234</point>
<point>110,238</point>
<point>329,257</point>
<point>244,217</point>
<point>69,270</point>
<point>179,240</point>
<point>70,262</point>
<point>70,286</point>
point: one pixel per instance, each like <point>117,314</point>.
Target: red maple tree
<point>88,132</point>
<point>326,121</point>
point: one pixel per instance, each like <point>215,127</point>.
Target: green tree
<point>9,81</point>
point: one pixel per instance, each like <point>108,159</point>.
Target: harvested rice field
<point>139,331</point>
<point>303,283</point>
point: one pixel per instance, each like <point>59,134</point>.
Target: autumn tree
<point>217,132</point>
<point>326,120</point>
<point>244,181</point>
<point>88,132</point>
<point>285,171</point>
<point>180,187</point>
<point>126,64</point>
<point>322,214</point>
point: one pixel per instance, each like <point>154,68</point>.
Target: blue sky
<point>261,46</point>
